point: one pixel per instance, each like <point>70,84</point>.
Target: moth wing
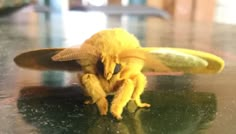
<point>42,60</point>
<point>184,60</point>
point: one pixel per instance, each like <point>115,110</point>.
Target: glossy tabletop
<point>51,102</point>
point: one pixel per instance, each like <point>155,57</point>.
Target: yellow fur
<point>114,47</point>
<point>112,62</point>
<point>109,46</point>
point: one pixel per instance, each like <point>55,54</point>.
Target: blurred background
<point>68,18</point>
<point>193,10</point>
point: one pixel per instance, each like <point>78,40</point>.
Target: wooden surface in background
<point>192,10</point>
<point>114,2</point>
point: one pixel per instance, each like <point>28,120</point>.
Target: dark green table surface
<point>51,102</point>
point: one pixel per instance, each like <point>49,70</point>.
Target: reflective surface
<point>61,110</point>
<point>51,102</point>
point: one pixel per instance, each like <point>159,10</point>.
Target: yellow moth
<point>113,62</point>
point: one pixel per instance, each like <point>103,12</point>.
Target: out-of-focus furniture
<point>116,7</point>
<point>183,10</point>
<point>192,10</point>
<point>9,6</point>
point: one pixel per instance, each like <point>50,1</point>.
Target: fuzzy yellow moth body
<point>113,62</point>
<point>126,84</point>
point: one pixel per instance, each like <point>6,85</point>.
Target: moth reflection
<point>61,110</point>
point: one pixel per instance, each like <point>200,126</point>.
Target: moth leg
<point>121,98</point>
<point>140,84</point>
<point>94,89</point>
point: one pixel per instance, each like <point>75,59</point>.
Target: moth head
<point>108,65</point>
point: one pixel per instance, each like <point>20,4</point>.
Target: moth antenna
<point>150,61</point>
<point>66,54</point>
<point>84,52</point>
